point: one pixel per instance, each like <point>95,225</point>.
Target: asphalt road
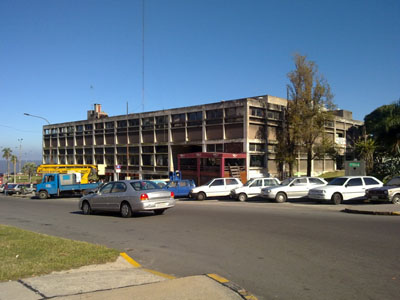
<point>276,251</point>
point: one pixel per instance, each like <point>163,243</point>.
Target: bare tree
<point>309,109</point>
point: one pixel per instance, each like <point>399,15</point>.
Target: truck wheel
<point>201,196</point>
<point>126,211</point>
<point>336,198</point>
<point>396,199</point>
<point>281,197</point>
<point>242,197</point>
<point>43,195</point>
<point>87,210</point>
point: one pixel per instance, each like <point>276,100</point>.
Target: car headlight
<point>386,192</point>
<point>267,191</point>
<point>323,192</point>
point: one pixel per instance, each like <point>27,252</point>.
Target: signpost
<point>117,170</point>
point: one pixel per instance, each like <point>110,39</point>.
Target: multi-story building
<point>146,145</point>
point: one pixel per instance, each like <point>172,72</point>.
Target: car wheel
<point>87,210</point>
<point>43,195</point>
<point>280,198</point>
<point>126,211</point>
<point>336,198</point>
<point>158,212</point>
<point>201,196</point>
<point>242,197</point>
<point>396,199</point>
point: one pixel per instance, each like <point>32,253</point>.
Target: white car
<point>291,188</point>
<point>253,188</point>
<point>216,187</point>
<point>345,188</point>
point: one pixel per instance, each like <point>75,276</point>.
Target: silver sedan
<point>297,187</point>
<point>127,196</point>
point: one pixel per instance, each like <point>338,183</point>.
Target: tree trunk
<point>309,162</point>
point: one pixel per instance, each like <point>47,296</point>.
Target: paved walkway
<point>123,279</point>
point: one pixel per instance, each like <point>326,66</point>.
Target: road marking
<point>130,260</point>
<point>218,278</point>
<point>160,274</point>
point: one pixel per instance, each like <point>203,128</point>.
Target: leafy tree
<point>29,169</point>
<point>14,160</point>
<point>384,125</point>
<point>365,150</point>
<point>7,155</point>
<point>309,109</point>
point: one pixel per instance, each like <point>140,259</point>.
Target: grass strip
<point>26,254</point>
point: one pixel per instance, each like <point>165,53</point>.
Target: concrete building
<point>146,145</point>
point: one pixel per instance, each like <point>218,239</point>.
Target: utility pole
<point>20,152</point>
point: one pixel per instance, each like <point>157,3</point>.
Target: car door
<point>216,188</point>
<point>100,200</point>
<point>354,189</point>
<point>255,187</point>
<point>173,187</point>
<point>184,188</point>
<point>298,188</point>
<point>118,193</point>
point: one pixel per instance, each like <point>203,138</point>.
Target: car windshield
<point>11,186</point>
<point>338,181</point>
<point>249,182</point>
<point>393,182</point>
<point>286,181</point>
<point>144,185</point>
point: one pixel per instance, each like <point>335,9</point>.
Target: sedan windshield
<point>248,182</point>
<point>394,182</point>
<point>338,181</point>
<point>286,181</point>
<point>144,185</point>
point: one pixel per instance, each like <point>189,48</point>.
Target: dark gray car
<point>128,196</point>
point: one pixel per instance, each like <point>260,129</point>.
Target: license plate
<point>374,197</point>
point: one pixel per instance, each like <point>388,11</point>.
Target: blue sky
<point>196,51</point>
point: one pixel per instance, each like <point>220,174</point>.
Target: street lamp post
<point>30,115</point>
<point>20,149</point>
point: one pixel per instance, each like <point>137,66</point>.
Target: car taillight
<point>172,195</point>
<point>144,197</point>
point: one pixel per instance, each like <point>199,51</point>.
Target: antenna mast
<point>143,55</point>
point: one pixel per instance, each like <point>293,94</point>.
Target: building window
<point>274,115</point>
<point>257,147</point>
<point>257,112</point>
<point>109,125</point>
<point>257,161</point>
<point>121,124</point>
<point>214,114</point>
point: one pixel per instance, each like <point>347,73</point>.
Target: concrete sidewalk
<point>373,209</point>
<point>121,280</point>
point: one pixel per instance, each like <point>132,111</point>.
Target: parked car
<point>128,196</point>
<point>389,192</point>
<point>253,187</point>
<point>12,188</point>
<point>345,188</point>
<point>292,188</point>
<point>180,188</point>
<point>216,187</point>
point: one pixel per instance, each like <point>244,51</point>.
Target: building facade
<point>146,145</point>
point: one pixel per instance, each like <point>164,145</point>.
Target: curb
<point>367,212</point>
<point>234,287</point>
<point>135,264</point>
<point>225,282</point>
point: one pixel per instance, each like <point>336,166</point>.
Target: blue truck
<point>62,184</point>
<point>180,187</point>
